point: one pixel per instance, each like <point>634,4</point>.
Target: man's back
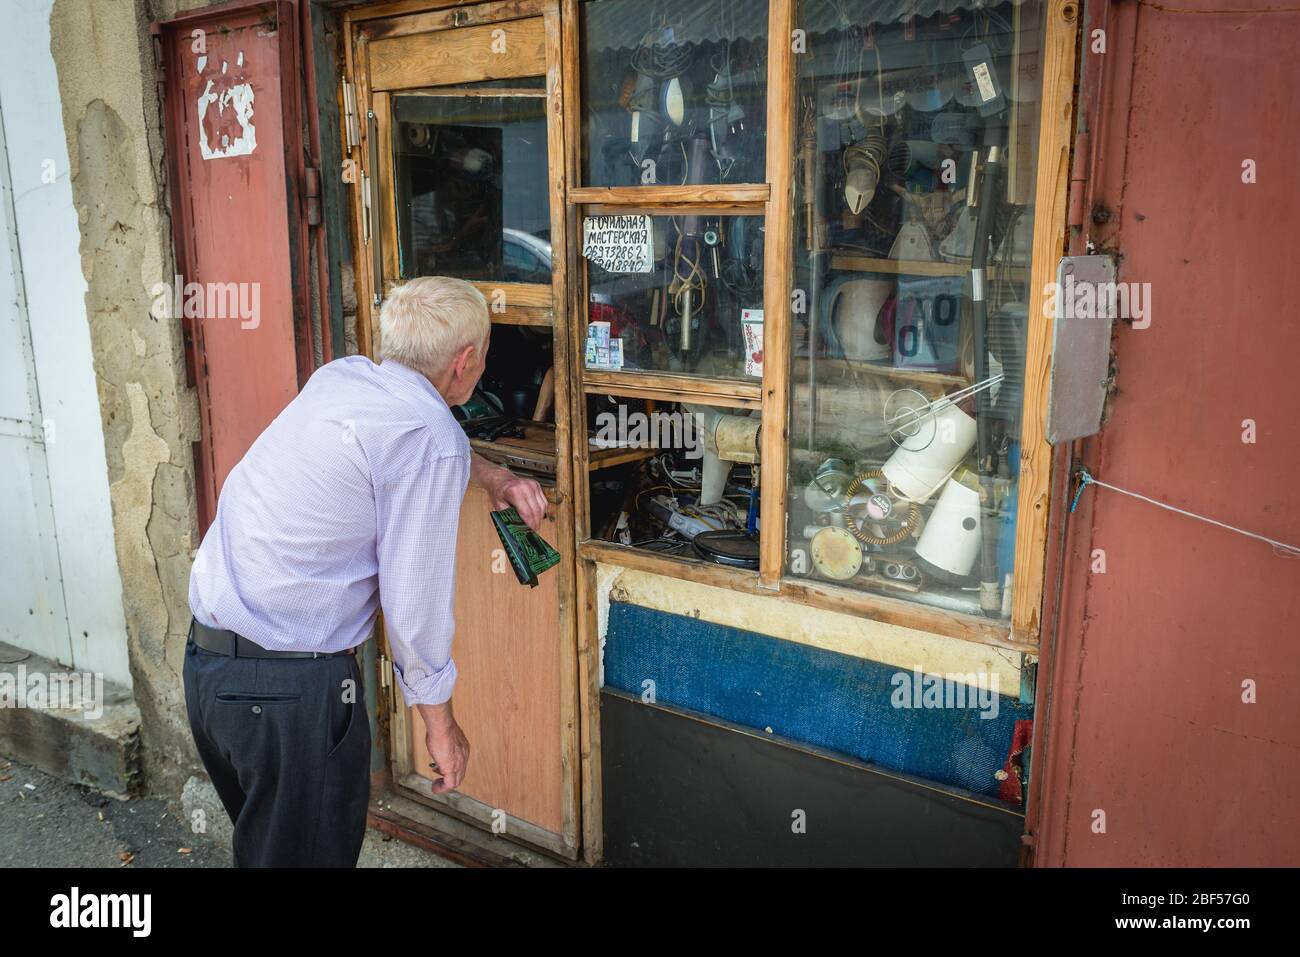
<point>348,502</point>
<point>291,560</point>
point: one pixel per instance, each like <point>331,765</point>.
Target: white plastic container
<point>951,539</point>
<point>925,461</point>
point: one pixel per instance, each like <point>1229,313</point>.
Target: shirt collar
<point>413,381</point>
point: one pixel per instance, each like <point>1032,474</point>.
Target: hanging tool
<point>992,163</point>
<point>688,277</point>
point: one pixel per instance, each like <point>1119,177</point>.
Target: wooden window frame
<point>775,201</point>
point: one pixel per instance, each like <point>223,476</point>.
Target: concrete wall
<point>117,170</point>
<point>111,118</point>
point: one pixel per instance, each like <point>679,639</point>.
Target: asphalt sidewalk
<point>46,822</point>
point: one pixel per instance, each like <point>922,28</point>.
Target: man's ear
<point>463,360</point>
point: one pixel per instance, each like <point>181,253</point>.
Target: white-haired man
<point>347,503</point>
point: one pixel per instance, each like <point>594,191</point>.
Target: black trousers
<point>286,742</point>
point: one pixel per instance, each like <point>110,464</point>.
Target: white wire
<point>1289,551</point>
<point>938,405</point>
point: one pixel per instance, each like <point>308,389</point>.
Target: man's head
<point>438,326</point>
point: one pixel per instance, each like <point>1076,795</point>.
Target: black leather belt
<point>222,642</point>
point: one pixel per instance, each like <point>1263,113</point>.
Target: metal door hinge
<point>365,208</point>
<point>1074,217</point>
<point>350,128</point>
<point>13,427</point>
<point>386,698</point>
<point>312,195</point>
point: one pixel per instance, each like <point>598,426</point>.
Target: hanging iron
<point>725,114</point>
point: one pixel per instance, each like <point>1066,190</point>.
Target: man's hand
<point>507,489</point>
<point>447,745</point>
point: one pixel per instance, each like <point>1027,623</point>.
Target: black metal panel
<point>682,789</point>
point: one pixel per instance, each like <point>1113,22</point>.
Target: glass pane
<point>472,185</point>
<point>911,285</point>
<point>673,92</point>
<point>679,294</point>
<point>679,479</point>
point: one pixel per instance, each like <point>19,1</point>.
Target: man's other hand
<point>525,495</point>
<point>507,489</point>
<point>447,745</point>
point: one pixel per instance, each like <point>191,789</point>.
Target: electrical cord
<point>662,61</point>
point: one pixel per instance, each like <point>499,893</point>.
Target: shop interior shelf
<point>854,260</point>
<point>845,370</point>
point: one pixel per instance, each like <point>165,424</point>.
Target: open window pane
<point>675,293</point>
<point>911,292</point>
<point>673,92</point>
<point>471,178</point>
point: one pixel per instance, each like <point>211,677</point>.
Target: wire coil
<point>910,524</point>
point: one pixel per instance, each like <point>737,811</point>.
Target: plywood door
<point>507,697</point>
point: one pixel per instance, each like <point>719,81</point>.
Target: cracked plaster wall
<point>103,52</point>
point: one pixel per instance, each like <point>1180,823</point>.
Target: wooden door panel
<point>507,699</point>
<point>490,51</point>
<point>515,649</point>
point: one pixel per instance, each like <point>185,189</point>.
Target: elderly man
<point>347,503</point>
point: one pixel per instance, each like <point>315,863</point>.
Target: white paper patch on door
<point>619,243</point>
<point>231,123</point>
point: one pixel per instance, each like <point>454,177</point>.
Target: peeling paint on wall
<point>142,452</point>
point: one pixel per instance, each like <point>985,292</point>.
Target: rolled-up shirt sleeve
<point>418,514</point>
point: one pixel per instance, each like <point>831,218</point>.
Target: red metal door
<point>1173,734</point>
<point>230,91</point>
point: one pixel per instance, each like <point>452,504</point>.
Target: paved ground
<point>45,822</point>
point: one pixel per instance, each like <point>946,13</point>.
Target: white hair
<point>426,321</point>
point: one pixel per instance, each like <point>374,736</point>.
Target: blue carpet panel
<point>811,695</point>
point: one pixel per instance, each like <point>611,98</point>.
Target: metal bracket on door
<point>371,203</point>
<point>350,116</point>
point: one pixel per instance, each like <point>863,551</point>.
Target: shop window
<point>675,293</point>
<point>674,96</point>
<point>688,487</point>
<point>914,182</point>
<point>470,166</point>
<point>899,367</point>
<point>674,92</point>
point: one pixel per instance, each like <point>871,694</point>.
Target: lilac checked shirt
<point>349,501</point>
